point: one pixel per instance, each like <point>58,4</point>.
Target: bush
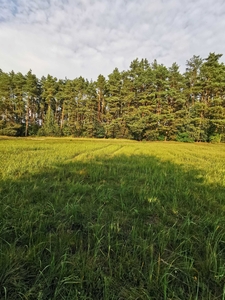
<point>13,130</point>
<point>184,137</point>
<point>161,137</point>
<point>151,135</point>
<point>215,138</point>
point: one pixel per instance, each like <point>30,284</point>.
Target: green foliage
<point>145,102</point>
<point>151,135</point>
<point>161,137</point>
<point>184,137</point>
<point>99,131</point>
<point>215,138</point>
<point>10,129</point>
<point>49,128</point>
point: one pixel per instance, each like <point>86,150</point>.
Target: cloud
<point>71,38</point>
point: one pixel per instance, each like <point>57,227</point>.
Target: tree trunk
<point>27,119</point>
<point>62,117</point>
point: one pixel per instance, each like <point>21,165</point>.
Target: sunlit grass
<point>111,219</point>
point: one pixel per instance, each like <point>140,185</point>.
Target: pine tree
<point>115,104</point>
<point>31,98</point>
<point>91,113</point>
<point>19,82</point>
<point>102,106</point>
<point>213,89</point>
<point>49,105</point>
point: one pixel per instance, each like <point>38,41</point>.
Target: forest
<point>149,101</point>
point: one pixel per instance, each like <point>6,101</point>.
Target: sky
<point>72,38</point>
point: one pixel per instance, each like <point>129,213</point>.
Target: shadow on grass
<point>112,228</point>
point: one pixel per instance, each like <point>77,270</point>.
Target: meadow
<point>111,219</point>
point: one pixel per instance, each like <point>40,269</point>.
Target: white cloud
<point>71,38</point>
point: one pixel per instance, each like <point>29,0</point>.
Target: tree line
<point>146,102</point>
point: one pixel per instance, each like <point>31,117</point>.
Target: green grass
<point>109,219</point>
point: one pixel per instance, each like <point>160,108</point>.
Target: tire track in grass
<point>90,154</point>
<point>105,151</point>
<point>77,155</point>
<point>127,150</point>
<point>117,151</point>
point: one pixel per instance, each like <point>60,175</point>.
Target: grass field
<point>109,219</point>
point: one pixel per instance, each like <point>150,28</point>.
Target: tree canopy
<point>146,102</point>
